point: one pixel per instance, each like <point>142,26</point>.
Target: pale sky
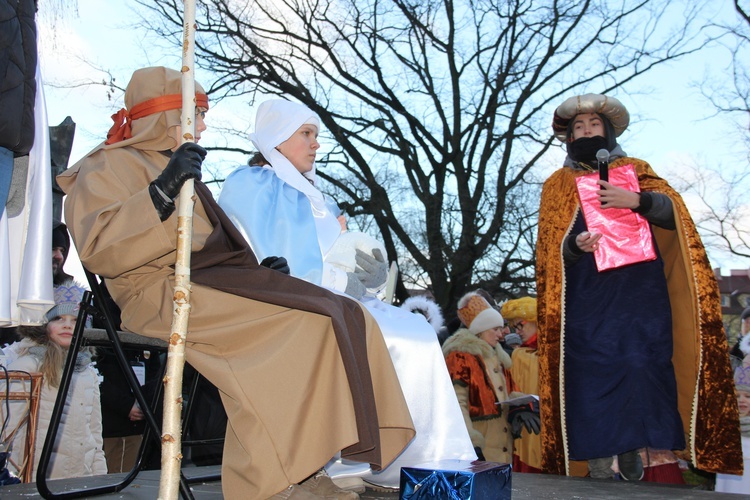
<point>670,125</point>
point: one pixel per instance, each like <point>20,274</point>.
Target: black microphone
<point>602,157</point>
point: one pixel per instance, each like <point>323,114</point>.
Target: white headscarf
<point>276,121</point>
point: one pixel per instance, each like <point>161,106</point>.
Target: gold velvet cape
<point>706,396</point>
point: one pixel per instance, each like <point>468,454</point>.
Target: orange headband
<point>121,129</point>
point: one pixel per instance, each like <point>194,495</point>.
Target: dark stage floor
<point>525,487</point>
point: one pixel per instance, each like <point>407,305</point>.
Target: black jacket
<point>117,398</point>
<point>18,59</point>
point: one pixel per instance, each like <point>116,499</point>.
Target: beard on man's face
<point>57,269</point>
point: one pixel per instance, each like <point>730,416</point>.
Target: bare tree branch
<point>723,210</point>
<point>440,110</point>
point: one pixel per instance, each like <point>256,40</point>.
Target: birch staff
<point>171,442</point>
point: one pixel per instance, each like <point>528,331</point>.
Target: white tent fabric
<point>26,239</point>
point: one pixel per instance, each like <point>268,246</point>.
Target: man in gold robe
<point>635,356</point>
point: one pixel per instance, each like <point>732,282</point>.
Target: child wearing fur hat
<point>521,315</point>
<point>43,349</point>
<point>740,484</point>
<point>480,371</point>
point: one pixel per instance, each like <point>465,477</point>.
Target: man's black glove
<point>480,455</point>
<point>276,263</point>
<point>184,164</point>
<point>524,416</point>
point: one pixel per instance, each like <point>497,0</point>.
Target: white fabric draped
<point>423,375</point>
<point>26,239</point>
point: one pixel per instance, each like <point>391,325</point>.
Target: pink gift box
<point>626,236</point>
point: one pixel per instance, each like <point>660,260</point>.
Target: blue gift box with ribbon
<point>456,480</point>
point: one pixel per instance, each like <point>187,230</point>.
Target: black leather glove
<point>480,455</point>
<point>276,263</point>
<point>524,416</point>
<point>184,164</point>
<point>372,270</point>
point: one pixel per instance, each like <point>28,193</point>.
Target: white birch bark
<point>171,441</point>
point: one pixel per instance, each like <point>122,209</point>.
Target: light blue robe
<point>277,220</point>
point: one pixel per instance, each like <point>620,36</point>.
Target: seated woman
<point>276,205</point>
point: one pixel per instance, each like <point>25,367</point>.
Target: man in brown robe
<point>303,373</point>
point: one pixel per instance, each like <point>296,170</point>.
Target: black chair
<point>95,304</point>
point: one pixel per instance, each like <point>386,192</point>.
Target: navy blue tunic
<point>620,389</point>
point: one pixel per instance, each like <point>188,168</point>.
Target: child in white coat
<point>43,349</point>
